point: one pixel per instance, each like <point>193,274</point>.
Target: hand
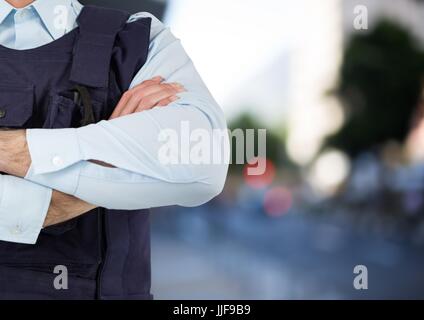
<point>147,95</point>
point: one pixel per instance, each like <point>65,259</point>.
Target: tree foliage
<point>380,84</point>
<point>274,145</point>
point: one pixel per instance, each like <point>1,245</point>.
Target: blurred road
<point>213,252</point>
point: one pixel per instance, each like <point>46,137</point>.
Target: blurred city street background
<point>344,111</point>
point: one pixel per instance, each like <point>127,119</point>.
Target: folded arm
<point>60,158</point>
<point>23,204</point>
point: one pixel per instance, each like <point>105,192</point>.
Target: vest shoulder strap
<point>98,28</point>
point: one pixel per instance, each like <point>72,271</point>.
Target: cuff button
<point>16,230</point>
<point>57,161</point>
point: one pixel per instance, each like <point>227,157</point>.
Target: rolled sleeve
<point>23,209</point>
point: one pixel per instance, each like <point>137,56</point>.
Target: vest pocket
<point>62,112</point>
<point>16,105</point>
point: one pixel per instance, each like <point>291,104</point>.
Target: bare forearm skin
<point>15,160</point>
<point>14,154</point>
<point>64,207</point>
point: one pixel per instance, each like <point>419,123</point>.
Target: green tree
<point>274,144</point>
<point>380,85</point>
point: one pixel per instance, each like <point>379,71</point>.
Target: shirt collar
<point>5,9</point>
<point>49,11</point>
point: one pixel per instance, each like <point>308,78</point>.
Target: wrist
<point>14,154</point>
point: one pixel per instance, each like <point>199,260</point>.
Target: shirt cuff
<point>23,209</point>
<point>52,149</point>
<point>65,180</point>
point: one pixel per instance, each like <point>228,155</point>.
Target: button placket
<point>22,14</point>
<point>19,16</point>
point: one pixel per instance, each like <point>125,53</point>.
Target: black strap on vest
<point>98,28</point>
<point>81,93</point>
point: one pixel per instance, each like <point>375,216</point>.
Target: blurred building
<point>409,13</point>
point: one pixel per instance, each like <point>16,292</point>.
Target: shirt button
<point>2,113</point>
<point>21,14</point>
<point>57,161</point>
<point>18,15</point>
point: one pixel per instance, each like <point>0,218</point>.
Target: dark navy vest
<point>73,81</point>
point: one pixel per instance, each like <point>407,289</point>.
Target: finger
<point>167,101</point>
<point>143,101</point>
<point>128,94</point>
<point>131,106</point>
<point>153,99</point>
<point>148,97</point>
<point>149,82</point>
<point>121,104</point>
<point>171,88</point>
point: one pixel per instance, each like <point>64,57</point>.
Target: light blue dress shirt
<point>130,143</point>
